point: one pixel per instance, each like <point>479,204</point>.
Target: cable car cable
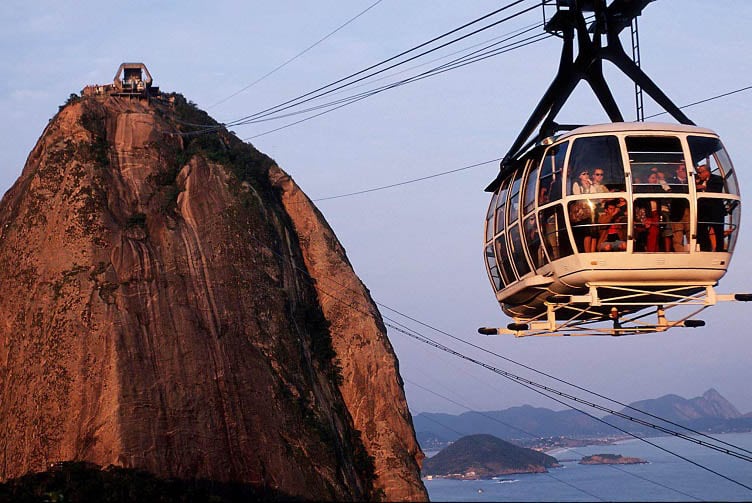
<point>366,95</point>
<point>547,473</point>
<point>457,63</point>
<point>432,72</point>
<point>532,385</point>
<point>563,381</point>
<point>209,128</point>
<point>251,118</point>
<point>619,414</point>
<point>533,435</point>
<point>403,53</point>
<point>291,102</point>
<point>364,191</point>
<point>514,33</point>
<point>413,180</point>
<point>705,100</point>
<point>300,99</point>
<point>296,56</point>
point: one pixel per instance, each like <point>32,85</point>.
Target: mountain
<point>486,456</point>
<point>516,423</point>
<point>709,412</point>
<point>174,303</point>
<point>675,408</point>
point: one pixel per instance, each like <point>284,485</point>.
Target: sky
<point>417,246</point>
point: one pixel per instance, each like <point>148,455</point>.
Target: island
<point>610,459</point>
<point>483,457</point>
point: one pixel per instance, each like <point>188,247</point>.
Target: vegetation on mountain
<point>81,481</point>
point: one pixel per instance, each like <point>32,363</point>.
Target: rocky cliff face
<point>175,303</point>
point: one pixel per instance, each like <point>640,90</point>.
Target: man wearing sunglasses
<point>597,184</point>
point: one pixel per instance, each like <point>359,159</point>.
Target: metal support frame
<point>639,102</point>
<point>583,319</point>
<point>568,22</point>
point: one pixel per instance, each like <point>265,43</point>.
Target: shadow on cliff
<point>87,482</point>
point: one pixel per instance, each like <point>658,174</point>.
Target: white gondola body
<point>551,233</point>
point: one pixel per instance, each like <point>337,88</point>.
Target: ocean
<point>665,477</point>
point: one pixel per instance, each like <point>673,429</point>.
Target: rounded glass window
<point>595,166</point>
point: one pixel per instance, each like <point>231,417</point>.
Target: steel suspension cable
<point>586,390</point>
<point>413,180</point>
<point>308,97</point>
<point>279,67</point>
<point>497,420</point>
<point>292,102</point>
<point>371,93</point>
<point>544,390</point>
<point>457,63</point>
<point>512,34</point>
<point>723,95</point>
<point>548,389</point>
<point>547,473</point>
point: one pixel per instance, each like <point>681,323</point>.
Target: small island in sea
<point>610,459</point>
<point>484,457</point>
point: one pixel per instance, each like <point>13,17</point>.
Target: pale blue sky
<point>417,247</point>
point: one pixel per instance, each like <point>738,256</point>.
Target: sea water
<point>665,477</point>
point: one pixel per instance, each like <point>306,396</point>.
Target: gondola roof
<point>617,127</point>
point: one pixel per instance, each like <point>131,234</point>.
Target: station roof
<point>133,66</point>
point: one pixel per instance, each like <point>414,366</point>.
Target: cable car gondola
<point>600,229</point>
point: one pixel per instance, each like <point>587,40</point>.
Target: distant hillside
<point>709,412</point>
<point>486,456</point>
<point>514,424</point>
<point>675,408</point>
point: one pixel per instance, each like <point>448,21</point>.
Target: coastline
<point>675,479</point>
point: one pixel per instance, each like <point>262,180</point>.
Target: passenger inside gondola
<point>650,180</point>
<point>661,225</point>
<point>711,212</point>
<point>679,222</point>
<point>598,186</point>
<point>647,225</point>
<point>613,220</point>
<point>582,184</point>
<point>679,182</point>
<point>543,196</point>
<point>582,218</point>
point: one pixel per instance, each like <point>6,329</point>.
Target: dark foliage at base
<point>86,482</point>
